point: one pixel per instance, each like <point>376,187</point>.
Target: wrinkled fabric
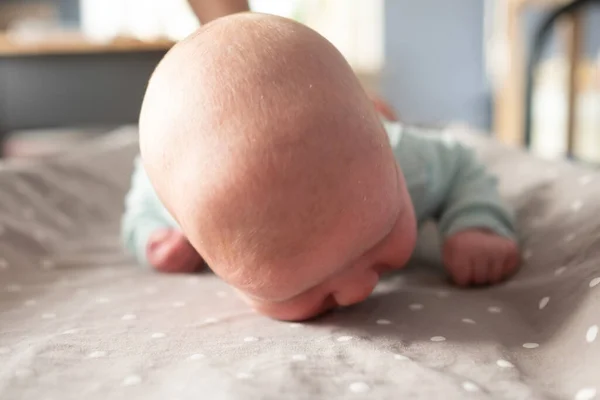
<point>79,320</point>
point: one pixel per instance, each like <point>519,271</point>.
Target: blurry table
<point>71,81</point>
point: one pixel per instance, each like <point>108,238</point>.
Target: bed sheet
<point>78,319</point>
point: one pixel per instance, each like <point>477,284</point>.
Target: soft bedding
<point>78,319</point>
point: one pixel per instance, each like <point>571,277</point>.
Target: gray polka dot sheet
<point>79,320</point>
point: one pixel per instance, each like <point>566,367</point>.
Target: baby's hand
<point>478,257</point>
<point>169,251</point>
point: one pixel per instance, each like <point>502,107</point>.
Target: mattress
<point>78,318</point>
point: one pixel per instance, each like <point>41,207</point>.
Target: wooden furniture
<point>510,96</point>
<point>75,43</point>
<point>574,12</point>
<point>69,81</point>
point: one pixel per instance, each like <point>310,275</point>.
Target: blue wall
<point>434,61</point>
<point>69,11</point>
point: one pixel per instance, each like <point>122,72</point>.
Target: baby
<point>262,156</point>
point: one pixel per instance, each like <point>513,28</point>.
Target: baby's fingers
<point>193,261</point>
<point>497,270</point>
<point>170,256</point>
<point>458,264</point>
<point>482,268</point>
<point>512,262</point>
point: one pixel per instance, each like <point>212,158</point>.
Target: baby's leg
<point>169,251</point>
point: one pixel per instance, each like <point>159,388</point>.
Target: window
<point>355,27</point>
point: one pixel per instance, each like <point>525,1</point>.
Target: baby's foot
<point>478,257</point>
<point>168,250</point>
<point>384,108</point>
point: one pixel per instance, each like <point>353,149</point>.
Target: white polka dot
<point>23,373</point>
<point>221,294</point>
<point>586,394</point>
<point>70,332</point>
<point>47,264</point>
<point>438,339</point>
<point>585,180</point>
<point>295,325</point>
<point>251,339</point>
<point>560,271</point>
<point>359,387</point>
<point>132,380</point>
<point>97,354</point>
<point>102,300</point>
<point>193,281</point>
<point>196,357</point>
<point>576,205</point>
<point>4,350</point>
<point>594,282</point>
<point>570,237</point>
<point>13,288</point>
<point>244,375</point>
<point>416,307</point>
<point>468,321</point>
<point>30,303</point>
<point>299,357</point>
<point>531,345</point>
<point>344,338</point>
<point>443,294</point>
<point>470,387</point>
<point>3,264</point>
<point>383,322</point>
<point>544,302</point>
<point>150,290</point>
<point>527,254</point>
<point>128,317</point>
<point>211,320</point>
<point>401,357</point>
<point>48,316</point>
<point>591,333</point>
<point>178,304</point>
<point>494,310</point>
<point>158,335</point>
<point>504,364</point>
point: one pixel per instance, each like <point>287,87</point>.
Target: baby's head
<point>262,144</point>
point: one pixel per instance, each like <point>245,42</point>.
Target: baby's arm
<point>480,246</point>
<point>149,232</point>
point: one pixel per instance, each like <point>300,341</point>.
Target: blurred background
<point>71,70</point>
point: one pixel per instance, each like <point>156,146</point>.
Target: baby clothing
<point>445,182</point>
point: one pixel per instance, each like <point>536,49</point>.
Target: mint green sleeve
<point>144,214</point>
<point>463,194</point>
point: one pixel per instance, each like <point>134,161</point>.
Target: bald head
<point>260,140</point>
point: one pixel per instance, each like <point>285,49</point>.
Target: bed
<point>78,319</point>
